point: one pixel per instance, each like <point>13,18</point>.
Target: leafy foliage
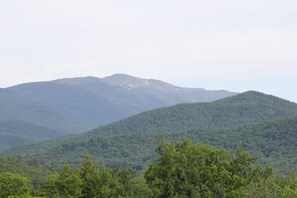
<point>181,170</point>
<point>65,184</point>
<point>187,170</point>
<point>12,184</point>
<point>30,170</point>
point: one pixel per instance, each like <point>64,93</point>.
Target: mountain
<point>131,142</point>
<point>89,102</point>
<point>17,106</point>
<point>166,93</point>
<point>75,105</point>
<point>15,132</point>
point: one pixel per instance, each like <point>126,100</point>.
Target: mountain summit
<point>127,81</point>
<point>166,93</point>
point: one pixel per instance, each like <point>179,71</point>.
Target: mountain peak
<point>131,82</point>
<point>121,76</point>
<point>257,94</point>
<point>256,97</point>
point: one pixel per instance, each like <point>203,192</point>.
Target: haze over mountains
<point>263,124</point>
<point>49,109</point>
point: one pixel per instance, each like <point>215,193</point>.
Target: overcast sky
<point>236,45</point>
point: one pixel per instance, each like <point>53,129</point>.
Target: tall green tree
<point>89,174</point>
<point>66,184</point>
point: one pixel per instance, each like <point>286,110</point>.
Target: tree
<point>89,174</point>
<point>104,182</point>
<point>12,184</point>
<point>194,170</point>
<point>66,184</point>
<point>266,188</point>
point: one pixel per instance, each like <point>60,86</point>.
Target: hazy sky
<point>236,45</point>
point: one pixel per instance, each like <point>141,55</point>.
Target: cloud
<point>176,41</point>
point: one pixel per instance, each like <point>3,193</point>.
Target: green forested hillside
<point>246,108</point>
<point>262,124</point>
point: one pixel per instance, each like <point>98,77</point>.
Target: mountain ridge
<point>117,144</point>
<point>75,105</point>
<point>191,112</point>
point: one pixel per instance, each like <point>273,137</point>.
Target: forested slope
<point>246,108</point>
<point>262,124</point>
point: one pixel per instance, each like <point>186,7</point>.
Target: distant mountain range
<point>263,124</point>
<point>42,110</point>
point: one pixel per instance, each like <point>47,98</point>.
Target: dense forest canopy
<point>181,170</point>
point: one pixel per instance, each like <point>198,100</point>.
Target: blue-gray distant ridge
<point>74,105</point>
